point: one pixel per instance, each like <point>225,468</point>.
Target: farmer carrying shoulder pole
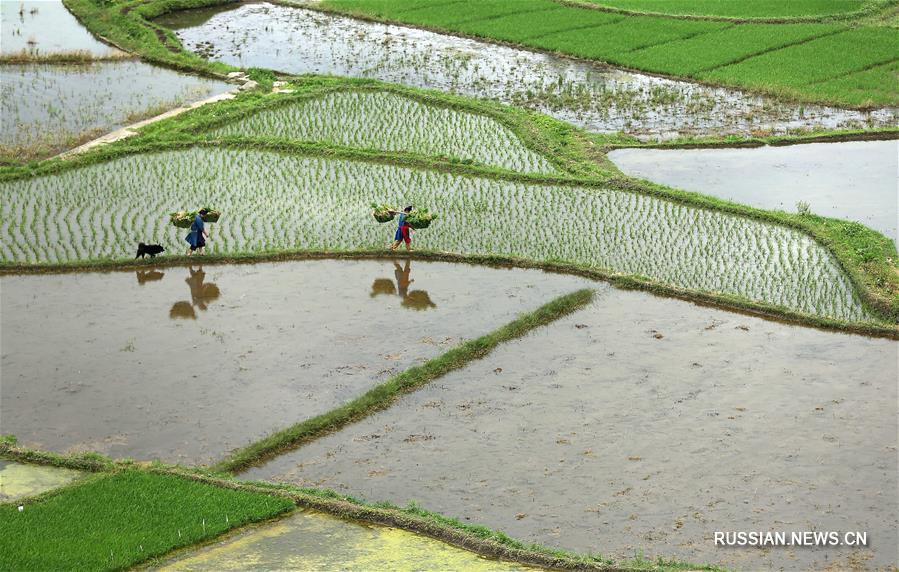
<point>403,230</point>
<point>197,235</point>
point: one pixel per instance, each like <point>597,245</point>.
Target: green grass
<point>383,395</point>
<point>116,520</point>
<point>865,87</point>
<point>689,48</point>
<point>737,8</point>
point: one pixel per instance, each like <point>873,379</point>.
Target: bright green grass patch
<point>817,60</point>
<point>394,123</point>
<point>611,42</point>
<point>866,87</point>
<point>722,47</point>
<point>115,521</point>
<point>737,8</point>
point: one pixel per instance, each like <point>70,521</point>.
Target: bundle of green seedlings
<point>183,219</point>
<point>417,219</point>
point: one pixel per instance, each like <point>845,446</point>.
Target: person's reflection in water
<point>202,293</point>
<point>416,299</point>
<point>144,276</point>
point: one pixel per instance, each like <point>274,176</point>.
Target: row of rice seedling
<point>272,201</point>
<point>50,104</point>
<point>732,9</point>
<point>442,13</point>
<point>390,122</point>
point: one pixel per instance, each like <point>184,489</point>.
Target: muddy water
<point>51,105</point>
<point>855,180</point>
<point>184,364</point>
<point>44,27</point>
<point>643,424</point>
<point>314,541</point>
<point>598,98</point>
<point>20,481</point>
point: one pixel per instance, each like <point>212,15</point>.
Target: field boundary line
<point>504,15</point>
<point>746,57</point>
<point>385,394</point>
<point>426,6</point>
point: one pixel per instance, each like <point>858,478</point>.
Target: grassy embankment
<point>817,62</point>
<point>135,512</point>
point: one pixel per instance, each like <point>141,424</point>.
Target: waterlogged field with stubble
<point>390,122</point>
<point>46,107</point>
<point>273,201</point>
<point>589,95</point>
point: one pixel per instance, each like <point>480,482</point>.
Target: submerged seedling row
<point>272,201</point>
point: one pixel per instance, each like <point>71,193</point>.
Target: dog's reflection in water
<point>144,276</point>
<point>201,295</point>
<point>415,300</point>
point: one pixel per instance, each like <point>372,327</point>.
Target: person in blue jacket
<point>403,230</point>
<point>197,236</point>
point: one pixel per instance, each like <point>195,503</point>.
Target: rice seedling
<point>276,202</point>
<point>393,123</point>
<point>301,41</point>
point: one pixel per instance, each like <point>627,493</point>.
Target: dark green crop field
<point>117,520</point>
<point>836,62</point>
<point>737,8</point>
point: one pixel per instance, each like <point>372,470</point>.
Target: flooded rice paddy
<point>596,97</point>
<point>44,27</point>
<point>186,363</point>
<point>642,425</point>
<point>854,180</point>
<point>57,106</point>
<point>314,541</point>
<point>275,201</point>
<point>390,122</point>
<point>18,480</point>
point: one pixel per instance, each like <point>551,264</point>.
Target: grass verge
<point>473,537</point>
<point>381,396</point>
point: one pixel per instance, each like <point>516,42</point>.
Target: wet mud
<point>18,480</point>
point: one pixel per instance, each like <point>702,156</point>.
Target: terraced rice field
<point>274,201</point>
<point>46,108</point>
<point>588,95</point>
<point>41,27</point>
<point>390,122</point>
<point>767,62</point>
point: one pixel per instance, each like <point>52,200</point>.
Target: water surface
<point>44,27</point>
<point>643,425</point>
<point>855,180</point>
<point>18,480</point>
<point>186,363</point>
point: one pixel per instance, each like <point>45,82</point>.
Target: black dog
<point>151,249</point>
